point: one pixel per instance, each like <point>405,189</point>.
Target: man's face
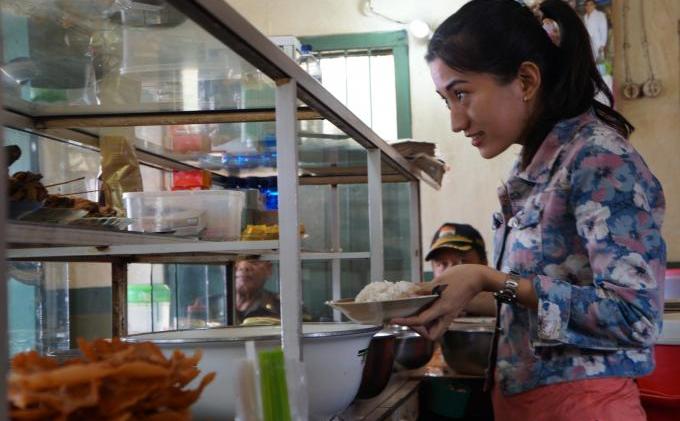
<point>590,6</point>
<point>447,257</point>
<point>251,276</point>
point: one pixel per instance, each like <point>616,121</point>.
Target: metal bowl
<point>466,348</point>
<point>411,350</point>
<point>378,366</point>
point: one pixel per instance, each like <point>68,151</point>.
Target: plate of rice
<point>379,302</point>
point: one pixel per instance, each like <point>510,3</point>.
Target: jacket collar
<point>541,165</point>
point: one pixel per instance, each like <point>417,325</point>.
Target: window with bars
<point>369,73</point>
<point>364,82</point>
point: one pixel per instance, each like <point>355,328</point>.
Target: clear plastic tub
<point>188,223</point>
<point>223,209</point>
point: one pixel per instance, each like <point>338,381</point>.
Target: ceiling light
<point>419,29</point>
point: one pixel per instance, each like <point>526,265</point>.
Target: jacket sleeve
<point>618,207</point>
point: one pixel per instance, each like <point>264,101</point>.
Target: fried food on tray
<point>25,185</point>
<point>112,380</point>
<point>93,208</point>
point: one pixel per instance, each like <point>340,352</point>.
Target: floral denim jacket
<point>583,220</point>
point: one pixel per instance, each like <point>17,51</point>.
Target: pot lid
<point>473,324</point>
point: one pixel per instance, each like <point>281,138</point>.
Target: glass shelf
<point>249,149</point>
<point>78,59</point>
<point>90,57</point>
<point>48,241</point>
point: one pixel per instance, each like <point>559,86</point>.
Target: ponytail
<point>497,36</point>
<point>578,80</point>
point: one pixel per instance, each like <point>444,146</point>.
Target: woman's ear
<point>529,76</point>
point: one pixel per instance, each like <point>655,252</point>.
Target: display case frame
<point>26,241</point>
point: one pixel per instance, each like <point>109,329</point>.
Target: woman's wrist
<point>493,280</point>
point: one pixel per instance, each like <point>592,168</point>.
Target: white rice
<point>386,290</point>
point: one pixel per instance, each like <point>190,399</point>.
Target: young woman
<point>579,257</point>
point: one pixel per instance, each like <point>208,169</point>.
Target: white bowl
<point>379,312</point>
<point>332,353</point>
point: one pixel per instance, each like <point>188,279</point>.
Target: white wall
<point>468,193</point>
<point>656,120</point>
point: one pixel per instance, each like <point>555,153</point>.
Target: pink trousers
<point>606,399</point>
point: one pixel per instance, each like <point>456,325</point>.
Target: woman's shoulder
<point>595,140</point>
<point>598,150</point>
<point>598,137</point>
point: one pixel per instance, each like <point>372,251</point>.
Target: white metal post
<point>335,247</point>
<point>4,341</point>
<point>415,228</point>
<point>375,215</point>
<point>4,304</point>
<point>289,235</point>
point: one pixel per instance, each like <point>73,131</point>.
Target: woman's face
<point>492,115</point>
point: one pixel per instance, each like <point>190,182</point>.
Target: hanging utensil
<point>12,154</point>
<point>630,89</point>
<point>65,182</point>
<point>652,87</point>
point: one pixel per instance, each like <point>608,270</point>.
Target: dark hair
<point>497,36</point>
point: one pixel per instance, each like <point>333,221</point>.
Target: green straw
<point>275,406</point>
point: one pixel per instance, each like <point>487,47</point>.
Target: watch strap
<point>508,294</point>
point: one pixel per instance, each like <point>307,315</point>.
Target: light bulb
<point>419,29</point>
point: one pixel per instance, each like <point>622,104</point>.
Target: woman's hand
<point>458,285</point>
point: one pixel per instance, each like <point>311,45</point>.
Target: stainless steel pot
<point>411,350</point>
<point>466,347</point>
<point>378,366</point>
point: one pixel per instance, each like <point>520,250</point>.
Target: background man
<point>455,244</point>
<point>596,23</point>
<point>252,299</point>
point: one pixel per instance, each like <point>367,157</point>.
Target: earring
<point>525,99</point>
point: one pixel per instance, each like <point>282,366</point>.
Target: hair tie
<point>552,29</point>
<point>549,25</point>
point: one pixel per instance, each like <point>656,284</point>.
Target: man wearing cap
<point>455,244</point>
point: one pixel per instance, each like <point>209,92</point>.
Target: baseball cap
<point>462,237</point>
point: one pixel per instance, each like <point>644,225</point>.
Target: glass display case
<point>166,89</point>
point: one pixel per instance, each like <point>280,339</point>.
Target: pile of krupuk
<point>111,380</point>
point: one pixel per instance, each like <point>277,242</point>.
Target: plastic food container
<point>223,209</point>
<point>182,223</point>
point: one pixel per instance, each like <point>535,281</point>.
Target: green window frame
<point>397,42</point>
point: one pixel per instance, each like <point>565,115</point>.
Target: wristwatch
<point>508,294</point>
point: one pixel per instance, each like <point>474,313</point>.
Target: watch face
<point>511,283</point>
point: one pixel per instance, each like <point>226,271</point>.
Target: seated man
<point>252,299</point>
<point>455,244</point>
